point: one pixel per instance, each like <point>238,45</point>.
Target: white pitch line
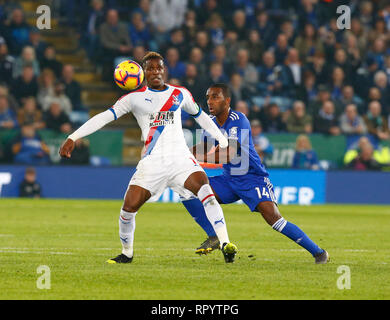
<point>34,252</point>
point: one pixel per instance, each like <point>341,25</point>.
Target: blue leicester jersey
<point>238,130</point>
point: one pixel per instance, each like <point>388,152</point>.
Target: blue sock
<point>196,210</point>
<point>294,233</point>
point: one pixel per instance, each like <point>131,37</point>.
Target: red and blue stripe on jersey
<point>172,104</point>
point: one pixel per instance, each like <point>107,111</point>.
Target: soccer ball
<point>128,75</point>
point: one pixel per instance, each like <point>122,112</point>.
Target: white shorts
<point>156,174</point>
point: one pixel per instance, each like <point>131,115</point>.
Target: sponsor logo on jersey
<point>161,118</point>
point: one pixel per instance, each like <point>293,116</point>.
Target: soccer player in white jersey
<point>166,160</point>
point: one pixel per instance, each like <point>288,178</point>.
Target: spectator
<point>26,85</point>
<point>238,91</point>
<point>271,119</point>
<point>193,82</point>
<point>337,83</point>
<point>12,103</point>
<point>242,106</point>
<point>114,37</point>
<point>206,10</point>
<point>305,157</point>
<point>365,159</point>
<point>322,97</point>
<point>138,54</point>
<point>29,148</point>
<point>308,43</point>
<point>72,87</point>
<point>293,69</point>
<point>91,28</point>
<point>307,91</point>
<point>197,58</point>
<point>281,49</point>
<point>262,145</point>
<point>27,58</point>
<point>232,45</point>
<point>202,41</point>
<point>255,47</point>
<point>19,31</point>
<point>265,28</point>
<point>59,97</point>
<point>351,122</point>
<point>348,97</point>
<point>326,121</point>
<point>269,76</point>
<point>190,26</point>
<point>319,68</point>
<point>376,123</point>
<point>177,41</point>
<point>30,115</point>
<point>7,116</point>
<point>381,82</point>
<point>298,121</point>
<point>46,82</point>
<point>36,42</point>
<point>215,27</point>
<point>139,31</point>
<point>176,68</point>
<point>56,119</point>
<point>7,63</point>
<point>341,60</point>
<point>378,52</point>
<point>217,74</point>
<point>219,55</point>
<point>80,154</point>
<point>29,187</point>
<point>239,24</point>
<point>50,61</point>
<point>165,16</point>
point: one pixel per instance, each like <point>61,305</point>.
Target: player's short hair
<point>224,87</point>
<point>151,55</point>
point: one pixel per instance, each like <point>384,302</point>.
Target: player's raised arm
<point>94,124</point>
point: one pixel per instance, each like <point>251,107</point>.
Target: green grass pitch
<point>75,238</point>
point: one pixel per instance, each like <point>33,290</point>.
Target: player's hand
<point>67,148</point>
<point>223,143</point>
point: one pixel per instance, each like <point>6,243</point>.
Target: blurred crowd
<point>289,67</point>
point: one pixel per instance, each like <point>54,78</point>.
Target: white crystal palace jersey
<point>158,114</point>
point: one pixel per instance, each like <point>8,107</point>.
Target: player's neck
<point>159,88</point>
<point>223,116</point>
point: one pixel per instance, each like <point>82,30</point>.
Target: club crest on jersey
<point>175,100</point>
<point>233,133</point>
<point>161,118</point>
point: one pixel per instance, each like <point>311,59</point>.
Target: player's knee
<point>130,207</point>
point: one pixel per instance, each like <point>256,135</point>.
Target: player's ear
<point>228,101</point>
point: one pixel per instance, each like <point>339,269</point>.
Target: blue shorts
<point>251,189</point>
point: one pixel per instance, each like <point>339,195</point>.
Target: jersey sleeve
<point>122,106</point>
<point>189,104</point>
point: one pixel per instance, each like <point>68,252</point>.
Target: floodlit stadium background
<point>292,71</point>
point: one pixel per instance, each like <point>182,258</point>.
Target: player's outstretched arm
<point>92,125</point>
<point>206,123</point>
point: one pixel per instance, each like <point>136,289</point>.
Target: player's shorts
<point>156,174</point>
<point>251,189</point>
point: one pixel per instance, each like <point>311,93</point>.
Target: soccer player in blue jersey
<point>244,176</point>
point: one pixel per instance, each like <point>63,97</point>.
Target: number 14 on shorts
<point>265,193</point>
